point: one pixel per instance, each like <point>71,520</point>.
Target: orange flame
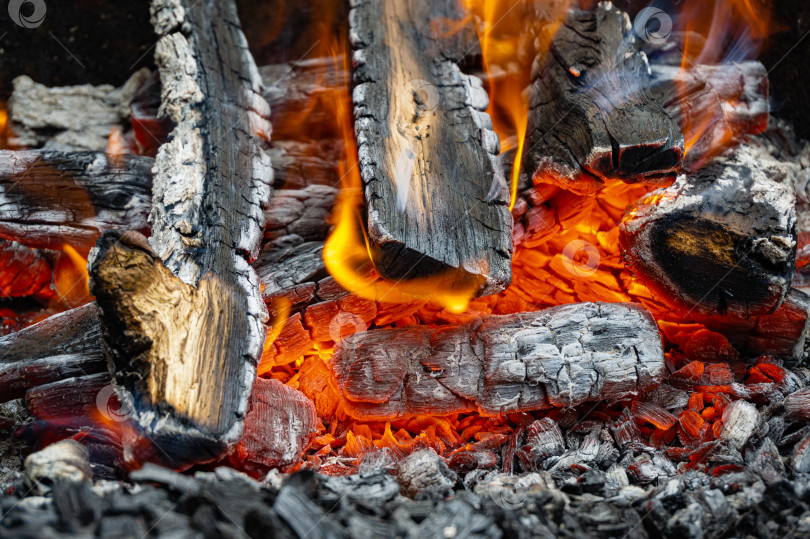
<point>71,277</point>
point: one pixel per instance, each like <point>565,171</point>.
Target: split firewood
<point>715,105</point>
<point>721,240</point>
<point>185,324</point>
<point>50,199</point>
<point>591,116</point>
<point>436,198</point>
<point>562,356</point>
<point>64,345</point>
<point>69,118</point>
<point>26,272</point>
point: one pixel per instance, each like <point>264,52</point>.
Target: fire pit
<point>405,269</point>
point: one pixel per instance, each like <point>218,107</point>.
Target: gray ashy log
<point>719,241</point>
<point>562,356</point>
<point>48,199</point>
<point>435,194</point>
<point>69,118</point>
<point>186,334</point>
<point>591,117</point>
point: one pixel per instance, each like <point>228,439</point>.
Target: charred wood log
<point>591,117</point>
<point>436,198</point>
<point>190,314</point>
<point>71,118</point>
<point>561,356</point>
<point>56,198</point>
<point>722,240</point>
<point>715,105</point>
<point>50,199</point>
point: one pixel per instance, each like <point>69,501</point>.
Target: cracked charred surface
<point>731,225</point>
<point>48,199</point>
<point>591,117</point>
<point>562,356</point>
<point>186,324</point>
<point>436,196</point>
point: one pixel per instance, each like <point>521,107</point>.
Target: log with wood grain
<point>182,314</point>
<point>436,199</point>
<point>561,356</point>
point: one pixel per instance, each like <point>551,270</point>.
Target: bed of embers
<point>716,444</point>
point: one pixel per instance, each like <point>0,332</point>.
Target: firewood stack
<point>212,238</point>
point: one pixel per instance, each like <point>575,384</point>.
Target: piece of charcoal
<point>424,475</point>
<point>740,418</point>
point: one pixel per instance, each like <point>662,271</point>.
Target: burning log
<point>56,198</point>
<point>562,356</point>
<point>591,116</point>
<point>185,337</point>
<point>435,195</point>
<point>714,104</point>
<point>51,198</point>
<point>722,240</point>
<point>81,116</point>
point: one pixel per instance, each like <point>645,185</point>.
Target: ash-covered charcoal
<point>301,212</point>
<point>562,356</point>
<point>425,475</point>
<point>740,418</point>
<point>591,116</point>
<point>719,241</point>
<point>67,461</point>
<point>797,406</point>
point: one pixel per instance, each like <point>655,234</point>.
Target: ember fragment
<point>600,123</point>
<point>740,418</point>
<point>797,406</point>
<point>720,241</point>
<point>436,200</point>
<point>66,461</point>
<point>279,427</point>
<point>424,475</point>
<point>561,356</point>
<point>26,272</point>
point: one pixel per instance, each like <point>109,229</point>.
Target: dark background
<point>110,39</point>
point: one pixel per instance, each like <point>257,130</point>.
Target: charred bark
<point>561,356</point>
<point>722,240</point>
<point>50,199</point>
<point>185,324</point>
<point>591,116</point>
<point>435,195</point>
